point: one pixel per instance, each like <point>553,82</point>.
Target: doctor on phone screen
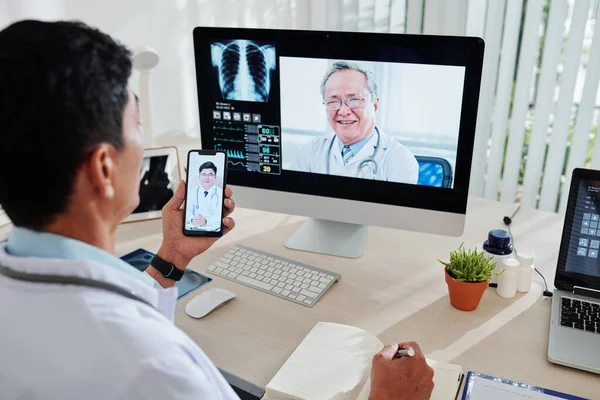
<point>204,202</point>
<point>358,148</point>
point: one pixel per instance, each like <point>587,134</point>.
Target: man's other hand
<point>402,378</point>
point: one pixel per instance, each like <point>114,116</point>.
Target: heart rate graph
<point>235,154</point>
<point>249,147</point>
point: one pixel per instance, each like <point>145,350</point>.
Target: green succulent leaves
<point>470,265</point>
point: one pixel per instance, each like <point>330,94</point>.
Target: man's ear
<point>376,103</point>
<point>100,169</point>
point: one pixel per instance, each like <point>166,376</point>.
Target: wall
<point>167,26</point>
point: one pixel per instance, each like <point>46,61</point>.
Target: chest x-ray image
<point>244,68</point>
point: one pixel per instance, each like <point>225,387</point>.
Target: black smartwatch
<point>167,269</point>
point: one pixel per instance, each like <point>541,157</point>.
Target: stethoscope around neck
<point>72,280</point>
<point>364,165</point>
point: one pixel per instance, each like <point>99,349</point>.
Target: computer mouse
<point>207,301</point>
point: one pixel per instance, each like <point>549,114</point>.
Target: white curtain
<point>167,26</point>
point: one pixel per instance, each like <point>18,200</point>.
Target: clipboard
<point>483,387</point>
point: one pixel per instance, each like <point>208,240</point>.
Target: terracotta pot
<point>464,295</point>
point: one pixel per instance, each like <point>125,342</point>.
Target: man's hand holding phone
<point>177,248</point>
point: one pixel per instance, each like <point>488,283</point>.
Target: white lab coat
<point>395,162</point>
<point>71,342</point>
<point>208,206</point>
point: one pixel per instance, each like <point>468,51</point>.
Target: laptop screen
<point>579,261</point>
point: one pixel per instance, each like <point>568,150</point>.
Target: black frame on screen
<point>564,280</point>
<point>419,49</point>
<point>218,233</point>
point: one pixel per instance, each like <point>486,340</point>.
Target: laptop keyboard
<point>580,314</point>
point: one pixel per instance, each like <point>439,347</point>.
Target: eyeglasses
<point>211,175</point>
<point>353,102</point>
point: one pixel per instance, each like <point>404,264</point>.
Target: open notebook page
<point>446,378</point>
<point>332,362</point>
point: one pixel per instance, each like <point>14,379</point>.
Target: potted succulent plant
<point>467,274</point>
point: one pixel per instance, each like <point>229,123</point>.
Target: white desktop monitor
<point>350,129</point>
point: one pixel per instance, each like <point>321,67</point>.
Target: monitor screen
<point>156,183</point>
<point>365,119</point>
<point>159,177</point>
<point>578,260</point>
<point>352,116</point>
<point>582,256</point>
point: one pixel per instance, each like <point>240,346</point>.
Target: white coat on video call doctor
<point>204,201</point>
<point>358,148</point>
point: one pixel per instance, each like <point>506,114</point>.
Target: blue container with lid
<point>498,243</point>
<point>499,246</point>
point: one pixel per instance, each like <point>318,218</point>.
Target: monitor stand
<point>329,237</point>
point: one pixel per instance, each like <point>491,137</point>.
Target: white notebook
<point>333,362</point>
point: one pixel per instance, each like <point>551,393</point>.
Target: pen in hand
<point>405,351</point>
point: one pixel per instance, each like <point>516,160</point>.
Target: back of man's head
<point>63,89</point>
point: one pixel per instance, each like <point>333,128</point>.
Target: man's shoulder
<point>394,147</point>
<point>317,142</point>
<point>313,146</point>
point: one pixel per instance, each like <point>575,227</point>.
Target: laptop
<point>575,321</point>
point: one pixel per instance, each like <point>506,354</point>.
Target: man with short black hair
<point>65,104</point>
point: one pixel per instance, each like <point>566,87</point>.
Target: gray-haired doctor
<point>358,148</point>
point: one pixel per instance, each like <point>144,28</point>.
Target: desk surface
<point>396,291</point>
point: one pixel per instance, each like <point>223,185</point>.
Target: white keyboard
<point>278,276</point>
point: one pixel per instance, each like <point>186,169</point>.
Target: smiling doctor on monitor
<point>358,148</point>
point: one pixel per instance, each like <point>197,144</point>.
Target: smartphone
<point>204,193</point>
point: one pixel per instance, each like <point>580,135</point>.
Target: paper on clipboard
<point>479,386</point>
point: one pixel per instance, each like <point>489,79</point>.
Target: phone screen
<point>206,177</point>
